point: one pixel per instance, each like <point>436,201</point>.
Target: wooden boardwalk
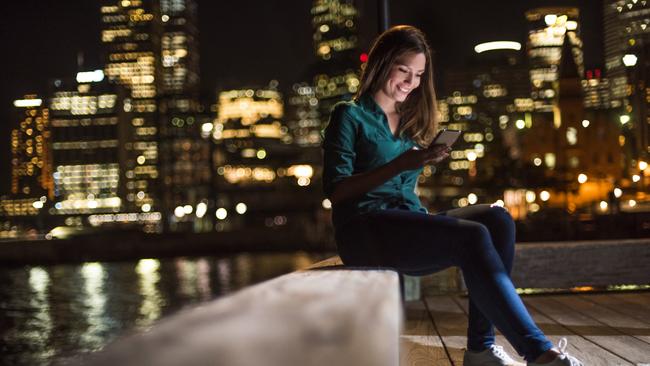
<point>601,328</point>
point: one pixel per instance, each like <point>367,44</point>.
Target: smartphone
<point>446,137</point>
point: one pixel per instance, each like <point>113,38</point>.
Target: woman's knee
<point>498,218</point>
<point>479,237</point>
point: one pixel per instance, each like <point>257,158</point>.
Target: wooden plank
<point>420,344</point>
<point>626,347</point>
<point>500,340</point>
<point>451,323</point>
<point>603,315</point>
<point>312,318</point>
<point>639,298</point>
<point>329,262</point>
<point>578,346</point>
<point>614,302</point>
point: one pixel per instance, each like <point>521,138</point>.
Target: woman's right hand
<point>417,158</point>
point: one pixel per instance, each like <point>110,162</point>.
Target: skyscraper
<point>179,50</point>
<point>334,76</point>
<point>483,98</point>
<point>131,32</point>
<point>152,50</point>
<point>625,24</point>
<point>549,29</point>
<point>305,122</point>
<point>336,46</point>
<point>31,159</point>
<point>87,115</point>
<point>627,65</point>
<point>184,157</point>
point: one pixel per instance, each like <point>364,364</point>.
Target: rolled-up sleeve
<point>338,148</point>
<point>410,181</point>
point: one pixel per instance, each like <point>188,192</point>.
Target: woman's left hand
<point>416,158</point>
<point>437,153</point>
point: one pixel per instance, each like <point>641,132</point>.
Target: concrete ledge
<point>564,265</point>
<point>410,285</point>
<point>323,317</point>
<point>597,263</point>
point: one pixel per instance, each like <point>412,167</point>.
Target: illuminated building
<point>549,30</point>
<point>22,211</point>
<point>31,157</point>
<point>179,47</point>
<point>578,159</point>
<point>306,124</point>
<point>131,33</point>
<point>446,181</point>
<point>626,26</point>
<point>184,157</point>
<point>627,33</point>
<point>152,50</point>
<point>596,90</point>
<point>334,77</point>
<point>260,180</point>
<point>87,116</point>
<point>334,26</point>
<point>485,99</point>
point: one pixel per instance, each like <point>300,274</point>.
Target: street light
<point>630,60</point>
<point>624,118</point>
<point>582,178</point>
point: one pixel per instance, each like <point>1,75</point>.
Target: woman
<point>374,149</point>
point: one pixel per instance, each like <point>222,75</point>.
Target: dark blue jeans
<point>479,239</point>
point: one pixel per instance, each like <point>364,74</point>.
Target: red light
<point>589,74</point>
<point>363,57</point>
<point>597,73</point>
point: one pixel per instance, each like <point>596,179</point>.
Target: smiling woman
<point>371,164</point>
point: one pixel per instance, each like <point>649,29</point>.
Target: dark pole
<point>382,7</point>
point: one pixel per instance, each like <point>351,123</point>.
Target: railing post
<point>384,21</point>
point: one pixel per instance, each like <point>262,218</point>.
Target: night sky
<point>250,42</point>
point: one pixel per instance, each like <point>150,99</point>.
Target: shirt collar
<point>367,102</point>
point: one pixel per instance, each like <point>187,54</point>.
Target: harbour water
<point>53,313</point>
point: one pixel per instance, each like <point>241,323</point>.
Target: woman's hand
<point>416,158</point>
<point>361,183</point>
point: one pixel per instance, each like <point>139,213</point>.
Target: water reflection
<point>223,275</point>
<point>95,302</point>
<point>39,327</point>
<point>147,270</point>
<point>203,278</point>
<point>56,312</point>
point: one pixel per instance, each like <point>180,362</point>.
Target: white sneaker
<point>563,359</point>
<point>493,356</point>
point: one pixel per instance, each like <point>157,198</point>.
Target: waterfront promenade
<point>602,329</point>
<point>353,316</point>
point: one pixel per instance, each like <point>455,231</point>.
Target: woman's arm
<point>358,184</point>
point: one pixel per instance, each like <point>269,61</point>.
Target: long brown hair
<point>419,112</point>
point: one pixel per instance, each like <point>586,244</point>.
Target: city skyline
<point>287,30</point>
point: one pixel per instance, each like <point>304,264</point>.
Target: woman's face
<point>404,76</point>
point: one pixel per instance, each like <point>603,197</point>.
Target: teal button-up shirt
<point>359,139</point>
